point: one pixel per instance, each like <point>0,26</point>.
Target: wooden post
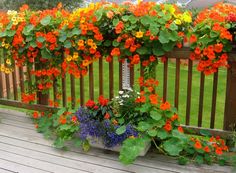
<point>230,102</point>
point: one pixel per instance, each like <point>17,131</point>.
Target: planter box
<point>98,143</point>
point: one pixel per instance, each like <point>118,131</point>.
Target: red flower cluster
<point>28,98</point>
<point>103,101</point>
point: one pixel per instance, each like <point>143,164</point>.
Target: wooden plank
<point>14,83</point>
<point>8,87</point>
<point>111,79</point>
<point>29,78</point>
<point>230,100</point>
<point>100,76</point>
<point>189,91</point>
<point>4,170</point>
<point>19,104</point>
<point>91,82</point>
<point>72,91</point>
<point>201,97</point>
<point>19,167</point>
<point>36,163</point>
<point>1,84</point>
<point>132,76</point>
<point>64,95</point>
<point>214,95</point>
<point>120,76</point>
<point>81,90</point>
<point>177,79</point>
<point>165,76</point>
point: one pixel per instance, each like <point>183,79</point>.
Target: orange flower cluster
<point>28,98</point>
<point>46,72</point>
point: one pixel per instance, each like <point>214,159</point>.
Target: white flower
<point>121,92</point>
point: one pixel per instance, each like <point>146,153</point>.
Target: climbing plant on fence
<point>54,42</point>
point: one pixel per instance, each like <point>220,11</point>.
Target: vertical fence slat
<point>111,79</point>
<point>177,78</point>
<point>120,76</point>
<point>100,76</point>
<point>29,78</point>
<point>131,76</point>
<point>230,99</point>
<point>189,91</point>
<point>1,79</point>
<point>21,75</point>
<point>165,76</point>
<point>64,97</point>
<point>7,79</point>
<point>72,90</point>
<point>14,83</point>
<point>91,82</point>
<point>201,96</point>
<point>214,96</point>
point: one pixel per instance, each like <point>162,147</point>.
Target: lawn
<point>171,89</point>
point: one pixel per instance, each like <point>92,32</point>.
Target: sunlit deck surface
<point>23,150</point>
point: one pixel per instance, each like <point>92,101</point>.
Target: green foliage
<point>39,4</point>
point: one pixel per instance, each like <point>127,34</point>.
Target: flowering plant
<point>210,39</point>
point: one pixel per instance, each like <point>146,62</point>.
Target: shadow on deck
<point>23,150</point>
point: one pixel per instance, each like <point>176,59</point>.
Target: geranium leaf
<point>46,20</point>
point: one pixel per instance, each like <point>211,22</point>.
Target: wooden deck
<point>23,150</point>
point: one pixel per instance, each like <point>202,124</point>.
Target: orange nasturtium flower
<point>198,145</point>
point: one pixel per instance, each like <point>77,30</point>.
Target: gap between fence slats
<point>21,75</point>
<point>72,90</point>
<point>132,76</point>
<point>141,75</point>
<point>100,76</point>
<point>214,96</point>
<point>165,79</point>
<point>189,91</point>
<point>55,90</point>
<point>201,97</point>
<point>177,78</point>
<point>91,82</point>
<point>81,90</point>
<point>120,76</point>
<point>111,79</point>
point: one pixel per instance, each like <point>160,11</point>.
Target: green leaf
<point>64,127</point>
<point>154,29</point>
<point>143,126</point>
<point>158,51</point>
<point>67,44</point>
<point>173,146</point>
<point>115,43</point>
<point>183,160</point>
<point>162,134</point>
<point>33,44</point>
<point>132,19</point>
<point>107,43</point>
<point>173,26</point>
<point>121,130</point>
<point>152,133</point>
<point>98,14</point>
<point>28,29</point>
<point>214,34</point>
<point>168,46</point>
<point>59,143</point>
<point>146,20</point>
<point>41,39</point>
<point>156,115</point>
<point>77,142</point>
<point>46,20</point>
<point>125,18</point>
<point>180,136</point>
<point>199,160</point>
<point>46,54</point>
<point>115,21</point>
<point>142,50</point>
<point>10,33</point>
<point>86,146</point>
<point>164,36</point>
<point>205,132</point>
<point>75,31</point>
<point>61,111</point>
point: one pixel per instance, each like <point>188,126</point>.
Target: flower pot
<point>98,143</point>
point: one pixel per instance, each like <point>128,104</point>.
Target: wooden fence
<point>12,96</point>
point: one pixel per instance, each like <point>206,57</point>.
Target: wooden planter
<point>98,143</point>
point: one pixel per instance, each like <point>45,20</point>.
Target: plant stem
<point>161,150</point>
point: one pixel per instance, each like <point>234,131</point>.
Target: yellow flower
<point>3,44</point>
<point>7,46</point>
<point>139,34</point>
<point>177,21</point>
<point>139,1</point>
<point>82,20</point>
<point>68,58</point>
<point>75,56</point>
<point>8,61</point>
<point>186,17</point>
<point>80,43</point>
<point>89,42</point>
<point>14,19</point>
<point>94,46</point>
<point>15,22</point>
<point>85,63</point>
<point>7,70</point>
<point>2,67</point>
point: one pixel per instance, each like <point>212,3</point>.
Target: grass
<point>171,91</point>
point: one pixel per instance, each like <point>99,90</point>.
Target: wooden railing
<point>76,88</point>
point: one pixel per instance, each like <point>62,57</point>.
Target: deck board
<point>24,150</point>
